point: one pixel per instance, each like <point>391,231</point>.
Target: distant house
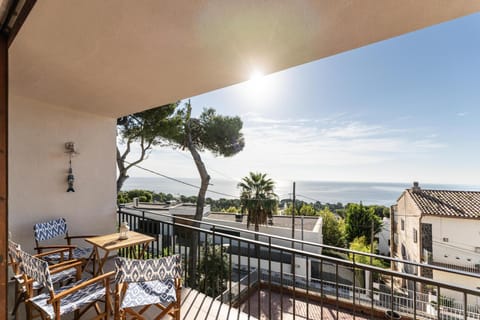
<point>438,227</point>
<point>383,238</point>
<point>306,228</point>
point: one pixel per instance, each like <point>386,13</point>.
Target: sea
<point>369,193</point>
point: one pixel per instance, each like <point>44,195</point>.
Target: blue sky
<point>399,110</point>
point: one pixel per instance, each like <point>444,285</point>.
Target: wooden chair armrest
<point>84,284</point>
<point>46,253</point>
<point>65,265</point>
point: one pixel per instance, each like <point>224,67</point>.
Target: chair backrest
<point>36,269</point>
<point>50,229</point>
<point>133,270</point>
<point>14,255</point>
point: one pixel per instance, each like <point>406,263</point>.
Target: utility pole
<point>372,234</point>
<point>293,228</point>
<point>293,214</point>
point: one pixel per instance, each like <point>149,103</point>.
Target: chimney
<point>416,187</point>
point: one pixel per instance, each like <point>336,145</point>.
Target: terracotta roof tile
<point>464,204</point>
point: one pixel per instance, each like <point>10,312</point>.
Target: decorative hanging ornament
<point>70,149</point>
<point>70,177</point>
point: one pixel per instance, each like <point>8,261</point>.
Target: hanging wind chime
<point>70,146</point>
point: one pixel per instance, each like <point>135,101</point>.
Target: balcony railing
<point>253,272</point>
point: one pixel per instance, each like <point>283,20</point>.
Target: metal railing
<point>253,271</point>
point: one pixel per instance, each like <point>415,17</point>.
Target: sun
<point>259,87</point>
<point>256,75</point>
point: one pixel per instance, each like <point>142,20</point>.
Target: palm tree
<point>257,198</point>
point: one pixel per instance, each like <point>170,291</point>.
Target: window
<point>415,235</point>
<point>445,239</point>
<point>402,223</point>
<point>477,249</point>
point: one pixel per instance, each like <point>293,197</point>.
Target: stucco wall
<point>455,240</point>
<point>38,168</point>
<point>384,237</point>
<point>410,214</point>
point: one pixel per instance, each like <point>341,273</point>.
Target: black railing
<point>256,276</point>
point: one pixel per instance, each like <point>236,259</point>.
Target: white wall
<point>462,281</point>
<point>38,168</point>
<point>410,214</point>
<point>384,237</point>
<point>310,236</point>
<point>463,237</point>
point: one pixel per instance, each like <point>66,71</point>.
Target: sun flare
<point>259,87</point>
<point>256,75</point>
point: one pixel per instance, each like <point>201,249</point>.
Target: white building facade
<point>441,228</point>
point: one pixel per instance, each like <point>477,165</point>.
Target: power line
<point>301,195</point>
<point>208,167</point>
<point>179,181</point>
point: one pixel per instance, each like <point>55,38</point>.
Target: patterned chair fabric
<point>151,292</point>
<point>14,258</point>
<point>77,253</point>
<point>148,282</point>
<point>132,270</point>
<point>52,229</point>
<point>14,250</point>
<point>70,303</point>
<point>36,269</point>
<point>79,298</point>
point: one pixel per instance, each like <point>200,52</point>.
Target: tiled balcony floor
<point>314,308</point>
<point>196,305</point>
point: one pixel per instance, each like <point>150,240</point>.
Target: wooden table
<point>111,242</point>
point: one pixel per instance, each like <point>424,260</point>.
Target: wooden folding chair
<point>76,297</point>
<point>141,284</point>
<point>59,278</point>
<point>48,230</point>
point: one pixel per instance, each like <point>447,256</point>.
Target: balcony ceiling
<point>115,57</point>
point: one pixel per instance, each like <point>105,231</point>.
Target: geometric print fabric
<point>72,302</point>
<point>36,269</point>
<point>151,292</point>
<point>39,271</point>
<point>134,270</point>
<point>50,229</point>
<point>14,250</point>
<point>148,282</point>
<point>78,253</point>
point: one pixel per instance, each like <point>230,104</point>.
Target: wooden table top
<point>112,242</point>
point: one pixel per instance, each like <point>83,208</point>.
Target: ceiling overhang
<point>115,57</point>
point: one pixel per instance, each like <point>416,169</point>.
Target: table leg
<point>142,251</point>
<point>101,261</point>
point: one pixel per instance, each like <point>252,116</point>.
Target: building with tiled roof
<point>461,204</point>
<point>438,227</point>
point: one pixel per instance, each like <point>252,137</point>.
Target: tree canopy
<point>172,126</point>
<point>257,198</point>
<point>333,229</point>
<point>216,133</point>
<point>361,244</point>
<point>358,222</point>
<point>147,128</point>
